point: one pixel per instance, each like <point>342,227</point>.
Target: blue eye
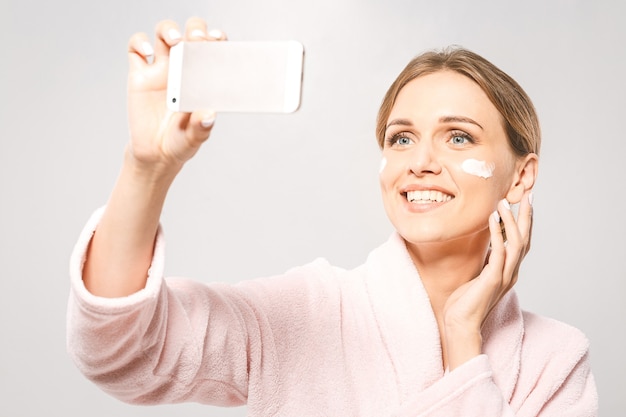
<point>399,139</point>
<point>460,138</point>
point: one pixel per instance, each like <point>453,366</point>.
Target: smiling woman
<point>441,126</point>
<point>428,326</point>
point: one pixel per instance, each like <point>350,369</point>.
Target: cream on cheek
<point>482,169</point>
<point>383,164</point>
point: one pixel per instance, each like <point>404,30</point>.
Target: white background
<point>271,192</point>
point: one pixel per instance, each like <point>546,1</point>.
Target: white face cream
<point>383,164</point>
<point>481,169</point>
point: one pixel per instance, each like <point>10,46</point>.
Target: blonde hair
<point>518,112</point>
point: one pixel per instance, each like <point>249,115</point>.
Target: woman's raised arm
<point>160,143</point>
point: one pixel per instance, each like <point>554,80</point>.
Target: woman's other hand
<point>467,308</point>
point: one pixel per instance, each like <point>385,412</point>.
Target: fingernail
<point>216,33</point>
<point>208,120</point>
<point>174,34</point>
<point>496,216</point>
<point>197,33</point>
<point>147,49</point>
<point>506,204</point>
<point>530,198</point>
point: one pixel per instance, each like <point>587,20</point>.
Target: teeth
<point>427,196</point>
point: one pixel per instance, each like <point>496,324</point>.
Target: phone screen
<point>236,76</point>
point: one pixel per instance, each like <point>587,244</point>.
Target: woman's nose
<point>423,160</point>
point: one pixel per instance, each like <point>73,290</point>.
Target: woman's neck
<point>444,267</point>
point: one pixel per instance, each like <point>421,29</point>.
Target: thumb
<point>200,125</point>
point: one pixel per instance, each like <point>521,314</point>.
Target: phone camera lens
<point>174,100</point>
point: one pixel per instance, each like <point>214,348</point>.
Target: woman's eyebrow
<point>443,119</point>
<point>399,122</point>
<point>458,119</point>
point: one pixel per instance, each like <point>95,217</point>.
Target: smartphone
<point>234,76</point>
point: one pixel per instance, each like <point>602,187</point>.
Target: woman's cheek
<point>478,168</point>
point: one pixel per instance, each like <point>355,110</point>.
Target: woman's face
<point>446,160</point>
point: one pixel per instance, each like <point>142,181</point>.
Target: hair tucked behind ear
<point>518,112</point>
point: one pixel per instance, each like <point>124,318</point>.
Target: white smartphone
<point>233,76</point>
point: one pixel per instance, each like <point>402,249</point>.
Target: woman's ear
<point>525,174</point>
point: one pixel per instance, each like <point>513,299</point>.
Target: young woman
<point>427,326</point>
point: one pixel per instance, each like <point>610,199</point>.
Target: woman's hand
<point>467,308</point>
<point>121,250</point>
<point>159,138</point>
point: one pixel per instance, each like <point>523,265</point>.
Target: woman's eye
<point>460,139</point>
<point>399,139</point>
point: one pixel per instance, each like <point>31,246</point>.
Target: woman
<point>427,326</point>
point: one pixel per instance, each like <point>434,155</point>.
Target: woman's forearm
<point>120,252</point>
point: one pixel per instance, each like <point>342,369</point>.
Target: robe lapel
<point>404,317</point>
<point>503,332</point>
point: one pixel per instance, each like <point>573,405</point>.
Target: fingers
<point>141,51</point>
<point>518,231</point>
<point>518,234</point>
<point>190,131</point>
<point>525,219</point>
<point>217,35</point>
<point>167,34</point>
<point>496,252</point>
<point>502,259</point>
<point>200,126</point>
<point>513,247</point>
<point>195,29</point>
<point>500,272</point>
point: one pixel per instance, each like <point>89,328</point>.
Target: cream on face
<point>383,164</point>
<point>481,169</point>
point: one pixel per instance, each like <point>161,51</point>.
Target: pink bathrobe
<point>320,341</point>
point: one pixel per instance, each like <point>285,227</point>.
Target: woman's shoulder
<point>550,332</point>
<point>554,363</point>
<point>554,347</point>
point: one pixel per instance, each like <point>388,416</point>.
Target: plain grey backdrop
<point>269,192</point>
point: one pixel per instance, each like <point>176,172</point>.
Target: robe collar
<point>409,329</point>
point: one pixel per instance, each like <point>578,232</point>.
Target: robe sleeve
<point>558,383</point>
<point>154,345</point>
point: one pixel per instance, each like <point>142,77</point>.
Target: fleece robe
<point>320,341</point>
